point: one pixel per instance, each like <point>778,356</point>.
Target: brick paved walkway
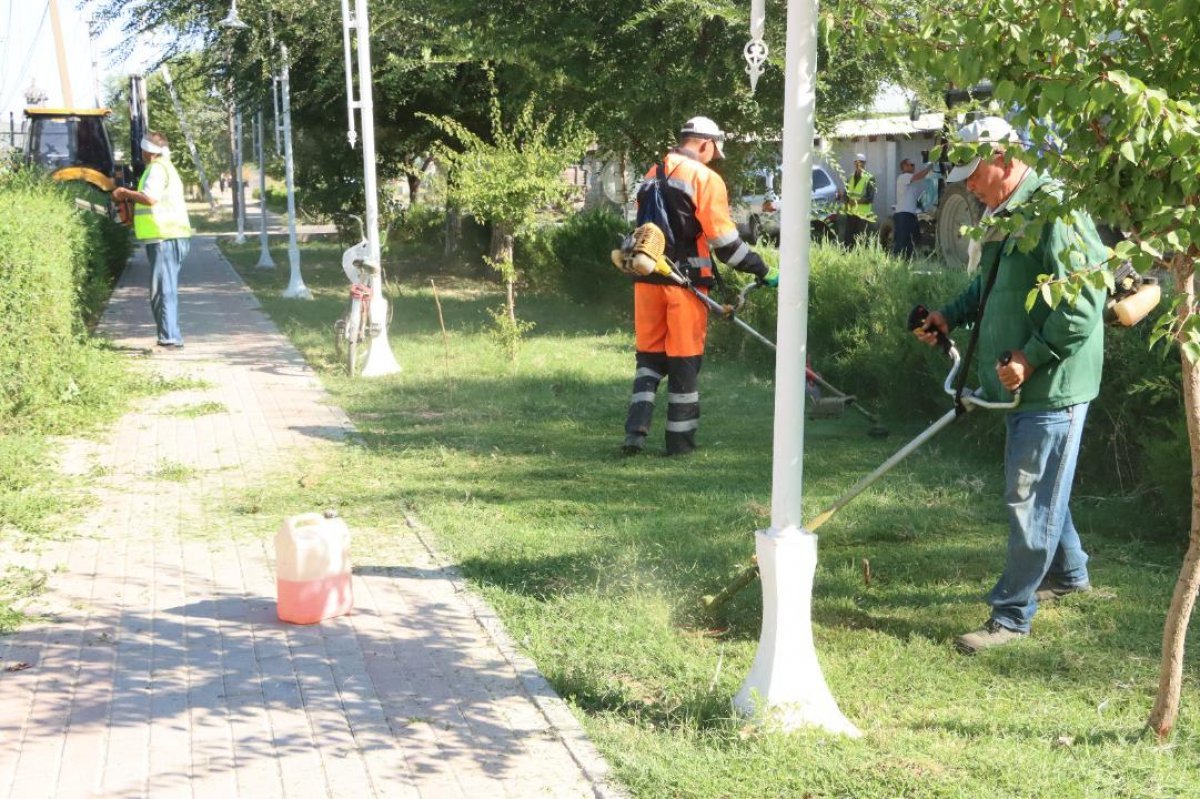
<point>158,667</point>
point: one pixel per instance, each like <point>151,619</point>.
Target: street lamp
<point>264,251</point>
<point>296,288</point>
<point>233,22</point>
<point>380,360</point>
<point>785,685</point>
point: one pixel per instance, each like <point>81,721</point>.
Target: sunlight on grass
<point>596,563</point>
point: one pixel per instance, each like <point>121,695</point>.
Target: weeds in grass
<point>173,471</point>
<point>196,410</point>
<point>17,585</point>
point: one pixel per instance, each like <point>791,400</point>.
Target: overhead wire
<point>7,37</point>
<point>33,42</point>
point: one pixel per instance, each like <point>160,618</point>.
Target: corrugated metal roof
<point>887,126</point>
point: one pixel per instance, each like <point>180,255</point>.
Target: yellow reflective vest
<point>167,218</point>
<point>856,191</point>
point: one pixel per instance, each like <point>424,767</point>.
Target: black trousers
<point>683,398</point>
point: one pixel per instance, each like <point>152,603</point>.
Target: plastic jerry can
<point>312,568</point>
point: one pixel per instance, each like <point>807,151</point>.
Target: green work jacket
<point>1065,345</point>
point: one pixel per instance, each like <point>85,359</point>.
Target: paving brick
<point>162,669</point>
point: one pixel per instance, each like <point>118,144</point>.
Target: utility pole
<point>64,74</point>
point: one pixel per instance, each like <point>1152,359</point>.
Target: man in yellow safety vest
<point>160,221</point>
<point>859,197</point>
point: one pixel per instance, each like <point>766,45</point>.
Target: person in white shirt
<point>910,183</point>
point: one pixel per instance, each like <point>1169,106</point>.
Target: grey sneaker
<point>1052,589</point>
<point>634,442</point>
<point>993,634</point>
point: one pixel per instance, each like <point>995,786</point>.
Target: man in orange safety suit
<point>669,321</point>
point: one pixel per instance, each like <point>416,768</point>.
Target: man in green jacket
<point>1057,355</point>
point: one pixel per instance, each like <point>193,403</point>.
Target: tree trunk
<point>502,258</point>
<point>414,186</point>
<point>453,232</point>
<point>1170,678</point>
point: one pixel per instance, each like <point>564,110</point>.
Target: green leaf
<point>1031,300</point>
<point>1127,151</point>
<point>1057,292</point>
<point>1191,350</point>
<point>1047,294</point>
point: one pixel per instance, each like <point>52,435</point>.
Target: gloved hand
<point>771,278</point>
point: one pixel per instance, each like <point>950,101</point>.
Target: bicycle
<point>355,327</point>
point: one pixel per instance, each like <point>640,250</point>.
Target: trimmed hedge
<point>57,263</point>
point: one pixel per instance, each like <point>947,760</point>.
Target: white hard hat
<point>987,130</point>
<point>860,157</point>
<point>705,128</point>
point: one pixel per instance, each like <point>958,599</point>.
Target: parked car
<point>757,213</point>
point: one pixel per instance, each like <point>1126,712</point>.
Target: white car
<point>757,213</point>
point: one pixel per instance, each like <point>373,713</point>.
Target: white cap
<point>987,130</point>
<point>860,157</point>
<point>705,128</point>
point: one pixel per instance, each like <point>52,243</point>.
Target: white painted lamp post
<point>233,22</point>
<point>296,288</point>
<point>238,183</point>
<point>380,360</point>
<point>785,687</point>
<point>264,250</point>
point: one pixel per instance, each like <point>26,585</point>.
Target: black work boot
<point>634,443</point>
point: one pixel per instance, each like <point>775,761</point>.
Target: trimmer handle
<point>916,321</point>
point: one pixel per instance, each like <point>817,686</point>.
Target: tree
<point>1109,91</point>
<point>511,179</point>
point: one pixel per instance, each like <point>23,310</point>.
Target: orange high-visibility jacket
<point>700,221</point>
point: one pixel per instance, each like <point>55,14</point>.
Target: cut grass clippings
<point>596,563</point>
<point>195,409</point>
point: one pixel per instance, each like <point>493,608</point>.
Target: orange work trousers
<point>669,319</point>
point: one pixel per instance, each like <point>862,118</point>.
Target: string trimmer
<point>642,254</point>
<point>965,401</point>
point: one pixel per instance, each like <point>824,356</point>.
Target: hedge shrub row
<point>57,263</point>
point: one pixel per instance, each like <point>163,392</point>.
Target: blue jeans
<point>1039,465</point>
<point>166,259</point>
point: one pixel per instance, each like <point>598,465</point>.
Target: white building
<point>886,141</point>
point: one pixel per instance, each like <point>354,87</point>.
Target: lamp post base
<point>296,290</point>
<point>380,360</point>
<point>785,687</point>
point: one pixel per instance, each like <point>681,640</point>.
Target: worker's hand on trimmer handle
<point>930,327</point>
<point>771,278</point>
<point>1013,369</point>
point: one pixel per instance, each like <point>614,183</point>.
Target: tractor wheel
<point>957,208</point>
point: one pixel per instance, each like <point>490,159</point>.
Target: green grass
<point>205,220</point>
<point>173,471</point>
<point>17,584</point>
<point>596,563</point>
